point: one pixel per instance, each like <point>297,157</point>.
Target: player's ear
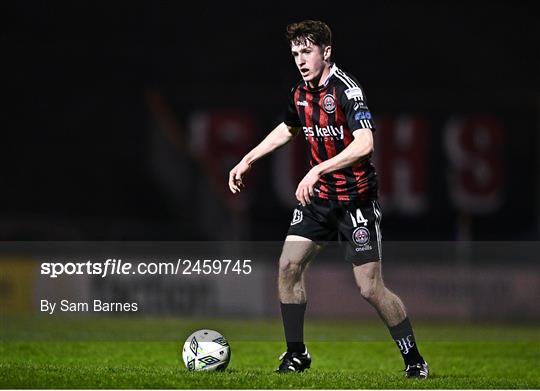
<point>327,53</point>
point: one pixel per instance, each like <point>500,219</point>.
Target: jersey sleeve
<point>291,117</point>
<point>354,104</point>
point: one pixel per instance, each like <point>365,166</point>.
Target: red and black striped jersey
<point>328,116</point>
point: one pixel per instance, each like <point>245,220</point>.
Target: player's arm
<point>359,148</point>
<point>278,137</point>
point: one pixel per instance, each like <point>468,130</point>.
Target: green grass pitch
<point>145,353</point>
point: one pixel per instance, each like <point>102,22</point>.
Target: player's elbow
<point>292,131</point>
<point>368,145</point>
<point>364,145</point>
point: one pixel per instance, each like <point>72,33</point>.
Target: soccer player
<point>338,196</point>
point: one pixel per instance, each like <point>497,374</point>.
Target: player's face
<point>311,60</point>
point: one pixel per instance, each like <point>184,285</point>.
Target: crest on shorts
<point>360,236</point>
<point>297,217</point>
<point>329,103</point>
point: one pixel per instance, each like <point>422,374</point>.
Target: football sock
<point>293,323</point>
<point>403,334</point>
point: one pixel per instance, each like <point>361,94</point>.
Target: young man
<point>337,196</point>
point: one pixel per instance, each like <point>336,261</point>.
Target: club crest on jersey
<point>329,103</point>
<point>360,236</point>
<point>297,217</point>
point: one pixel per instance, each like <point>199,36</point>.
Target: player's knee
<point>290,269</point>
<point>368,289</point>
<point>369,294</point>
<point>369,281</point>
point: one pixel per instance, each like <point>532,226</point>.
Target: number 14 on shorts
<point>358,219</point>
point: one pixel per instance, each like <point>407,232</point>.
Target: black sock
<point>404,337</point>
<point>293,323</point>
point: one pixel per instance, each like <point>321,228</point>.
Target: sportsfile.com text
<point>119,267</point>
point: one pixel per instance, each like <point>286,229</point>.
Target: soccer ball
<point>206,350</point>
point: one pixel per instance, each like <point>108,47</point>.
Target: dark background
<point>105,102</point>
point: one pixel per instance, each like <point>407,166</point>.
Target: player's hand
<point>236,176</point>
<point>304,191</point>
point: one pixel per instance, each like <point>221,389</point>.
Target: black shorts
<point>356,222</point>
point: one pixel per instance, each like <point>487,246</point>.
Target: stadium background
<point>123,120</point>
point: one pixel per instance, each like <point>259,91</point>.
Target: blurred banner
<point>470,281</point>
<point>444,174</point>
<point>128,132</point>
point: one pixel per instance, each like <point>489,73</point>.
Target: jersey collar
<point>333,69</point>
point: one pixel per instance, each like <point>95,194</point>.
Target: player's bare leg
<point>392,311</point>
<point>389,306</point>
<point>296,254</point>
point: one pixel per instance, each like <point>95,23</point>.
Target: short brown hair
<point>315,31</point>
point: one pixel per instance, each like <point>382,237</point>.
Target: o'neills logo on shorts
<point>325,131</point>
<point>360,237</point>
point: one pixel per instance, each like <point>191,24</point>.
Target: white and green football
<point>206,350</point>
